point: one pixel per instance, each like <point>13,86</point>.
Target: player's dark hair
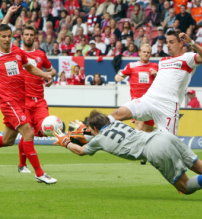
<point>97,120</point>
<point>5,27</point>
<point>174,33</point>
<point>29,28</point>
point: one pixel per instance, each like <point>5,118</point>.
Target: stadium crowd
<point>115,28</point>
<point>104,27</point>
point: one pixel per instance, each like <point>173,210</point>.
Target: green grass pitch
<point>97,187</point>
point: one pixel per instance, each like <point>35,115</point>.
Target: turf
<point>102,186</point>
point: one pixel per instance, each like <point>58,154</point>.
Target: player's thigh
<point>140,109</point>
<point>14,115</point>
<point>122,113</point>
<point>9,136</point>
<point>166,122</point>
<point>26,131</point>
<point>163,155</point>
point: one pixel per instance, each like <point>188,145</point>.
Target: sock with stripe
<point>22,155</point>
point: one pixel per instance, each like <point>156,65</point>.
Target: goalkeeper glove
<point>62,140</point>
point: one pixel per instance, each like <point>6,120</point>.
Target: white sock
<point>194,183</point>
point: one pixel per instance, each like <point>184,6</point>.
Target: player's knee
<point>27,133</point>
<point>8,141</point>
<point>122,113</point>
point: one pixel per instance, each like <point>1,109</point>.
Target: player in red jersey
<point>12,62</point>
<point>141,75</point>
<point>36,107</point>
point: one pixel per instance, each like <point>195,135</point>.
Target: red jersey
<point>194,103</point>
<point>11,74</point>
<point>34,85</point>
<point>140,77</point>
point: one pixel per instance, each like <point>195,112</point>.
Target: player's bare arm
<point>184,37</point>
<point>9,13</point>
<point>64,141</point>
<point>38,72</point>
<point>53,72</point>
<point>119,77</point>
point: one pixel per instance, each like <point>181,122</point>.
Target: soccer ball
<point>51,124</point>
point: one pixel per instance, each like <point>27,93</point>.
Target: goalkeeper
<point>163,150</point>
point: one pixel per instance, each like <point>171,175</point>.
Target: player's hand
<point>153,71</point>
<point>77,126</point>
<point>47,76</point>
<point>62,140</point>
<point>78,138</point>
<point>185,38</point>
<point>49,82</point>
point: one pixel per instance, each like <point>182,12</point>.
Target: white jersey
<point>173,77</point>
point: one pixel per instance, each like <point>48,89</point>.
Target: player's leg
<point>183,183</point>
<point>8,138</point>
<point>188,185</point>
<point>40,112</point>
<point>28,148</point>
<point>122,113</point>
<point>136,108</point>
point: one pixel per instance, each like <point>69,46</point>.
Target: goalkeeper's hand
<point>77,126</point>
<point>78,138</point>
<point>62,140</point>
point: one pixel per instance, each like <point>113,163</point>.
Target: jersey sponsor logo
<point>23,118</point>
<point>143,77</point>
<point>12,68</point>
<point>177,64</point>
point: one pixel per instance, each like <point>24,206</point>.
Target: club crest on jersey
<point>38,59</point>
<point>177,64</point>
<point>23,118</point>
<point>18,57</point>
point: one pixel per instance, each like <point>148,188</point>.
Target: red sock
<point>1,141</point>
<point>22,155</point>
<point>31,154</point>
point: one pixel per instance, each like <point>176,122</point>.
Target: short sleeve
<point>46,63</point>
<point>126,70</point>
<point>93,146</point>
<point>190,59</point>
<point>24,58</point>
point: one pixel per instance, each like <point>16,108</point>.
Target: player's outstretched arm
<point>184,37</point>
<point>64,141</point>
<point>9,14</point>
<point>38,72</point>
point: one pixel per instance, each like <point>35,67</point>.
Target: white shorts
<point>164,113</point>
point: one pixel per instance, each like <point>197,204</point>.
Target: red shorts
<point>14,114</point>
<point>36,111</point>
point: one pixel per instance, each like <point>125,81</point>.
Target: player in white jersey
<point>123,141</point>
<point>161,101</point>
